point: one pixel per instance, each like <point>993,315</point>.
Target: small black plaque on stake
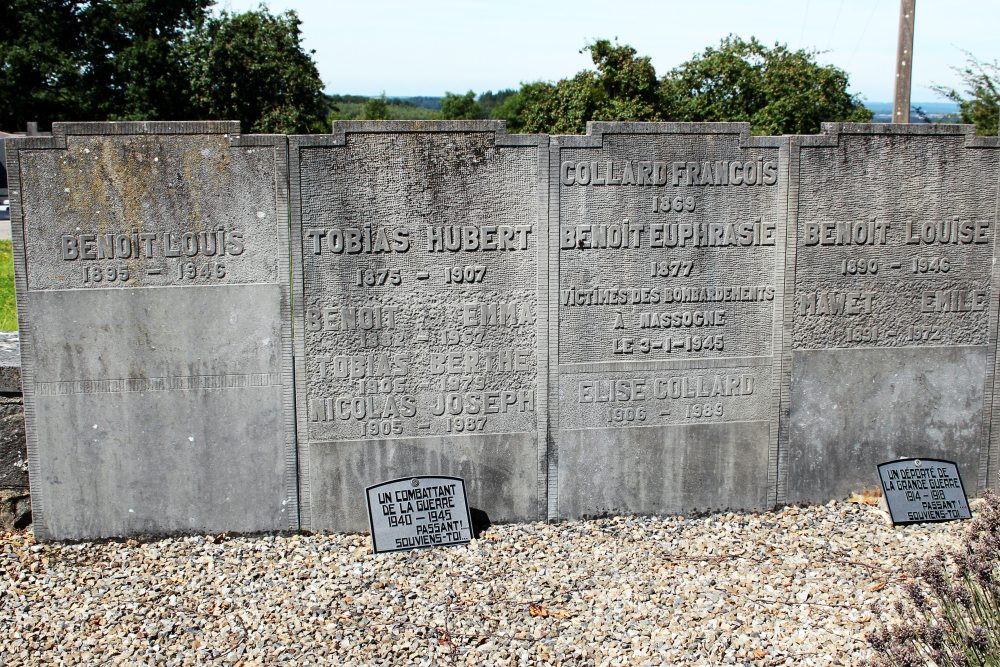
<point>923,491</point>
<point>418,512</point>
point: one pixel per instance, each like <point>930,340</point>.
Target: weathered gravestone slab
<point>152,287</point>
<point>420,265</point>
<point>418,512</point>
<point>923,491</point>
<point>892,304</point>
<point>667,264</point>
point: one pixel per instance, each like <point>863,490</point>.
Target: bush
<point>980,103</point>
<point>951,606</point>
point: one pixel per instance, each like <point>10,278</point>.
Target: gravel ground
<point>791,587</point>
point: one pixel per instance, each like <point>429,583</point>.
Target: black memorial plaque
<point>667,246</point>
<point>417,513</point>
<point>923,491</point>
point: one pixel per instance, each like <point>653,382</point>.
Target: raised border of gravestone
<point>502,483</point>
<point>898,501</point>
<point>632,471</point>
<point>231,497</point>
<point>426,515</point>
<point>845,471</point>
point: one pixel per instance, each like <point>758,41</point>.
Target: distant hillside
<point>942,108</point>
<point>351,107</point>
<point>425,107</point>
<point>937,112</point>
<point>419,101</point>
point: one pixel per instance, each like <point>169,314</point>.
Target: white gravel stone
<point>792,587</point>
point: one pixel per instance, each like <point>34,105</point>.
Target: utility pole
<point>904,63</point>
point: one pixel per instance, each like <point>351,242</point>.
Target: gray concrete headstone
<point>667,249</point>
<point>891,305</point>
<point>152,286</point>
<point>420,278</point>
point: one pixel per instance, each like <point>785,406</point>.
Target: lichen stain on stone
<point>206,168</point>
<point>192,159</point>
<point>84,192</point>
<point>135,177</point>
<point>222,164</point>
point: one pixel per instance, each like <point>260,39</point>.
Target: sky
<point>429,47</point>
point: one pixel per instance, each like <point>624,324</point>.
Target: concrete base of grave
<point>15,509</point>
<point>15,502</point>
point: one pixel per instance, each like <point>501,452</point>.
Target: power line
<point>802,33</point>
<point>836,21</point>
<point>861,38</point>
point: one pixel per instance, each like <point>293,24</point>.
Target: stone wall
<point>651,318</point>
<point>15,503</point>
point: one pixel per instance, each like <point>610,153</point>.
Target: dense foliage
<point>131,58</point>
<point>624,87</point>
<point>66,60</point>
<point>460,107</point>
<point>776,90</point>
<point>375,108</point>
<point>980,104</point>
<point>489,100</point>
<point>252,68</point>
<point>155,60</point>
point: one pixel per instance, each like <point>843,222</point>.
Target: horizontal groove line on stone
<point>687,363</point>
<point>170,383</point>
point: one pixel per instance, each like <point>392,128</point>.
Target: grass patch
<point>8,306</point>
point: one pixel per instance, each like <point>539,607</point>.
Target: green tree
<point>251,67</point>
<point>96,60</point>
<point>132,57</point>
<point>489,100</point>
<point>514,107</point>
<point>375,108</point>
<point>980,105</point>
<point>624,87</point>
<point>39,64</point>
<point>626,84</point>
<point>460,107</point>
<point>539,107</point>
<point>155,60</point>
<point>776,90</point>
